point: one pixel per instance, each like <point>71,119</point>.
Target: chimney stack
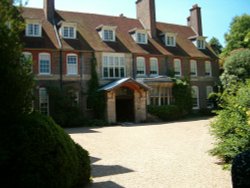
<point>146,14</point>
<point>49,9</point>
<point>194,20</point>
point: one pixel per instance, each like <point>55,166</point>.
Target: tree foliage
<point>236,67</point>
<point>238,36</point>
<point>96,99</point>
<point>215,45</point>
<point>182,94</point>
<point>16,78</point>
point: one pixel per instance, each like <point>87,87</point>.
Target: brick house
<point>135,57</point>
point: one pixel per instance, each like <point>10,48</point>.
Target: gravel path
<point>172,155</point>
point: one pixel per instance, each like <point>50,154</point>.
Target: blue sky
<point>216,14</point>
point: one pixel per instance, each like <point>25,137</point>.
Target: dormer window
<point>68,30</point>
<point>139,35</point>
<point>170,39</point>
<point>33,29</point>
<point>200,43</point>
<point>107,33</point>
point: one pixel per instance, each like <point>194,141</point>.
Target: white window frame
<point>68,30</point>
<point>195,96</point>
<point>193,68</point>
<point>31,27</point>
<point>43,101</point>
<point>159,96</point>
<point>141,37</point>
<point>177,67</point>
<point>39,64</point>
<point>113,66</point>
<point>201,43</point>
<point>107,33</point>
<point>208,68</point>
<point>154,66</point>
<point>72,69</point>
<point>170,39</point>
<point>209,89</point>
<point>140,67</point>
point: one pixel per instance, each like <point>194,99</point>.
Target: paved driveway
<point>172,155</point>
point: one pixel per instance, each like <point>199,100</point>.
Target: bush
<point>165,113</point>
<point>38,153</point>
<point>231,127</point>
<point>241,170</point>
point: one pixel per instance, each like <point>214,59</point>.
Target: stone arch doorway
<point>125,110</point>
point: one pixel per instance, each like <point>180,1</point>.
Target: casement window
<point>68,32</point>
<point>200,43</point>
<point>141,37</point>
<point>33,30</point>
<point>44,64</point>
<point>107,33</point>
<point>208,68</point>
<point>140,66</point>
<point>160,96</point>
<point>72,64</point>
<point>170,39</point>
<point>177,67</point>
<point>43,101</point>
<point>28,58</point>
<point>154,69</point>
<point>113,66</point>
<point>193,68</point>
<point>195,97</point>
<point>209,90</point>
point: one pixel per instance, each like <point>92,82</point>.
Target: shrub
<point>231,127</point>
<point>38,153</point>
<point>241,170</point>
<point>166,113</point>
<point>182,94</point>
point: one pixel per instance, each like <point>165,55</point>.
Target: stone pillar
<point>111,109</point>
<point>140,106</point>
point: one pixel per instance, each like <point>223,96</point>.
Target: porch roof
<point>121,82</point>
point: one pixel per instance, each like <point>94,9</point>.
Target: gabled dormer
<point>33,28</point>
<point>107,33</point>
<point>68,30</point>
<point>139,35</point>
<point>169,39</point>
<point>201,42</point>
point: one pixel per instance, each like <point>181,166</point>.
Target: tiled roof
<point>48,39</point>
<point>89,39</point>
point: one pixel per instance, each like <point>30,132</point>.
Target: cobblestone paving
<point>172,155</point>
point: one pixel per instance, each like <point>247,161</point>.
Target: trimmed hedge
<point>166,112</point>
<point>38,153</point>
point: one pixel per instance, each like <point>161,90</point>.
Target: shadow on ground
<point>103,170</point>
<point>106,184</point>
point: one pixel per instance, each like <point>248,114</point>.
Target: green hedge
<point>38,153</point>
<point>166,112</point>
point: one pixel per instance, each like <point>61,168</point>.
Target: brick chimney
<point>194,20</point>
<point>145,10</point>
<point>49,9</point>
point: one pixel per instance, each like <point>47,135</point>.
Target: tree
<point>238,36</point>
<point>216,45</point>
<point>16,81</point>
<point>236,67</point>
<point>96,99</point>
